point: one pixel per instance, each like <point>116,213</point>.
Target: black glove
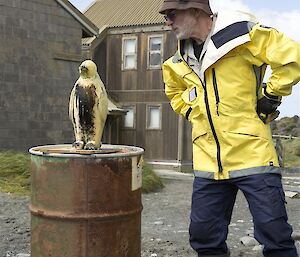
<point>267,106</point>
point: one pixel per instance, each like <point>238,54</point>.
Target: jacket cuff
<point>270,96</point>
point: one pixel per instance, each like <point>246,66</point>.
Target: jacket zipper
<point>220,167</point>
<point>216,90</point>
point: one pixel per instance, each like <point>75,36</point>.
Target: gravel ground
<point>165,220</point>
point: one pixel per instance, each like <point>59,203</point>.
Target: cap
<point>185,4</point>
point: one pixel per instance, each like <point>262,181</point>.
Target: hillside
<point>288,149</point>
<point>288,126</point>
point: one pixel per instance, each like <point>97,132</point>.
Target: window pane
<point>130,62</point>
<point>155,51</point>
<point>155,43</point>
<point>154,117</point>
<point>129,118</point>
<point>129,46</point>
<point>155,59</point>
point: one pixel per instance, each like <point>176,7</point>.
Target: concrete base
<point>172,165</point>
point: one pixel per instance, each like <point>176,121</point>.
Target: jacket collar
<point>230,29</point>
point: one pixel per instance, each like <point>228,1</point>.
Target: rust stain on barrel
<point>84,207</point>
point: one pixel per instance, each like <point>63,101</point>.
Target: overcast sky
<point>282,15</point>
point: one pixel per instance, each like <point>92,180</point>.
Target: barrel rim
<point>132,151</point>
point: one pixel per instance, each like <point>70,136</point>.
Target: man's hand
<point>267,106</point>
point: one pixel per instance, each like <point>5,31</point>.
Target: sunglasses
<point>170,16</point>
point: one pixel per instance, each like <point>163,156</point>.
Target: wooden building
<point>39,57</point>
<point>132,44</point>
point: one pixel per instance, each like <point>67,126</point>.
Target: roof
<point>86,42</point>
<point>113,109</point>
<point>116,13</point>
<point>89,28</point>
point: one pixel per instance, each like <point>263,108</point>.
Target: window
<point>155,51</point>
<point>129,60</point>
<point>129,118</point>
<point>153,117</point>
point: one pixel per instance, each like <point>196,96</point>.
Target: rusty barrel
<point>86,203</point>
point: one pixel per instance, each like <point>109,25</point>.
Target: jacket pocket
<point>198,130</point>
<point>245,126</point>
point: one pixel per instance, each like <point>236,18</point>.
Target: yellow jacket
<point>219,99</point>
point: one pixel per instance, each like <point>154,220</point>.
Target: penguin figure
<point>88,107</point>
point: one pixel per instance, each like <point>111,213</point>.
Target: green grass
<point>151,182</point>
<point>15,174</point>
<point>291,152</point>
<point>15,169</point>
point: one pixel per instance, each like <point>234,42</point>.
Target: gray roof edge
<point>93,42</point>
<point>89,27</point>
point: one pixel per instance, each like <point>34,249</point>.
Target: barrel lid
<point>106,151</point>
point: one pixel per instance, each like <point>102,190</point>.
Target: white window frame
<point>133,54</point>
<point>133,107</point>
<point>148,106</point>
<point>149,52</point>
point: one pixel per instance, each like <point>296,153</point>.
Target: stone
<point>249,241</point>
<point>23,255</point>
<point>296,235</point>
<point>160,222</point>
<point>183,231</point>
<point>9,254</point>
<point>291,194</point>
<point>249,232</point>
<point>257,248</point>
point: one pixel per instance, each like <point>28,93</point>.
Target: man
<point>215,81</point>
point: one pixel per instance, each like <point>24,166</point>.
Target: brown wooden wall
<point>141,87</point>
<point>100,58</point>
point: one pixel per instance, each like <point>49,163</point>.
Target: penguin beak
<point>83,69</point>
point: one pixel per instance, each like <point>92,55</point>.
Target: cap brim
<point>184,6</point>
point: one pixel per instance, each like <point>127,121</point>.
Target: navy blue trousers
<point>212,204</point>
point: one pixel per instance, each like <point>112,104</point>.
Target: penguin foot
<point>90,145</point>
<point>78,145</point>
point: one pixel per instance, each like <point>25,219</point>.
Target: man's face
<point>182,23</point>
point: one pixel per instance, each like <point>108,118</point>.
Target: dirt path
<point>165,222</point>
